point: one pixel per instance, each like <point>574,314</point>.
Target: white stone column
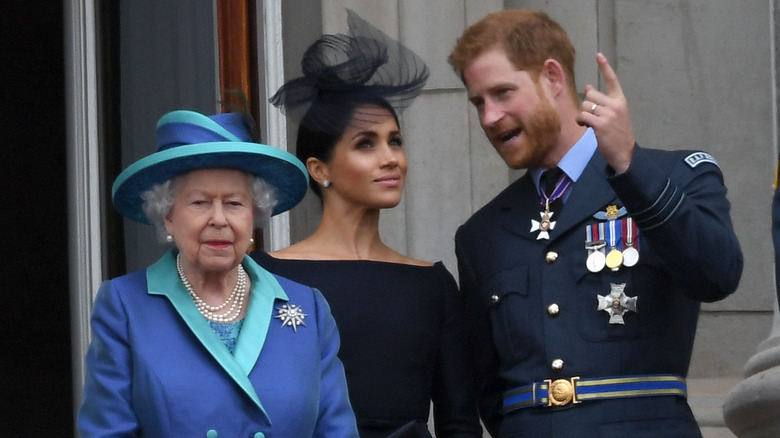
<point>752,408</point>
<point>85,244</point>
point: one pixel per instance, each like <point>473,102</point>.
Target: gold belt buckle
<point>561,392</point>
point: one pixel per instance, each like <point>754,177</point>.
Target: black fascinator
<point>340,72</point>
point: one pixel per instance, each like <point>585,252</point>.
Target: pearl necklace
<point>236,298</point>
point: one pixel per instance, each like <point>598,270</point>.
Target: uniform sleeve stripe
<point>652,207</point>
<point>671,213</point>
<point>662,209</point>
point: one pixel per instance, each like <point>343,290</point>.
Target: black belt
<point>561,392</point>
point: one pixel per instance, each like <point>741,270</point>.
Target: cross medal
<point>617,303</point>
<point>545,225</point>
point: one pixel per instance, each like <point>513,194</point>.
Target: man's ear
<point>317,170</point>
<point>554,75</point>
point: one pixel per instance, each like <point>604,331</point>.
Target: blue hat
<point>187,140</point>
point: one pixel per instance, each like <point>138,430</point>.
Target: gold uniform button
<point>557,364</point>
<point>551,257</point>
<point>553,309</point>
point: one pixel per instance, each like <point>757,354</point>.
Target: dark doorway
<point>35,355</point>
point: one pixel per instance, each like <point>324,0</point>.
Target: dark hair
<point>319,143</point>
<point>344,72</point>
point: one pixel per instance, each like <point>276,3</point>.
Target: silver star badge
<point>617,303</point>
<point>544,225</point>
<point>291,315</point>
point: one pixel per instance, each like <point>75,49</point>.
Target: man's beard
<point>541,134</point>
<point>541,131</point>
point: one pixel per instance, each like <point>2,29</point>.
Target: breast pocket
<point>506,297</point>
<point>642,284</point>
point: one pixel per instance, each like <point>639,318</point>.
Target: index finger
<point>610,77</point>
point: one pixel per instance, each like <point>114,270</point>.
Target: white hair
<point>159,199</point>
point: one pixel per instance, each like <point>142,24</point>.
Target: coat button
<point>494,298</point>
<point>211,434</point>
<point>551,257</point>
<point>557,364</point>
<point>553,309</point>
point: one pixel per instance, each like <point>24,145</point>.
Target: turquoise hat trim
<point>193,118</point>
<point>185,148</point>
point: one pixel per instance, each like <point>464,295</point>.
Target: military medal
<point>545,225</point>
<point>614,257</point>
<point>596,259</point>
<point>630,253</point>
<point>617,303</point>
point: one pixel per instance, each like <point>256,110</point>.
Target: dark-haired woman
<point>399,318</point>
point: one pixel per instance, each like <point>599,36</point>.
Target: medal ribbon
<point>594,237</point>
<point>560,188</point>
<point>595,232</point>
<point>601,231</point>
<point>631,232</point>
<point>613,234</point>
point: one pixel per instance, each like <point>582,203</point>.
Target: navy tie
<point>551,178</point>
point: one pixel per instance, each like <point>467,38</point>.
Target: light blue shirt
<point>575,160</point>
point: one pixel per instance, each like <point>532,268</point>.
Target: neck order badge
<point>555,184</point>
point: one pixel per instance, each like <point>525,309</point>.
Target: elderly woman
<point>206,343</point>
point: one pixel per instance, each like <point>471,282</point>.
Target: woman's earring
<point>326,183</point>
<point>169,238</point>
<point>251,240</point>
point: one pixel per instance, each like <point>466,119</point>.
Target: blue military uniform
<point>556,317</point>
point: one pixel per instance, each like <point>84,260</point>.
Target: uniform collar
<point>575,160</point>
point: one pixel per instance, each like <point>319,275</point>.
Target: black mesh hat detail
<point>342,72</point>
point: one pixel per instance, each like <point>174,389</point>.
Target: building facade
<point>698,74</point>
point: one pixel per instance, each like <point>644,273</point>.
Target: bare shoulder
<point>298,251</point>
<point>406,260</point>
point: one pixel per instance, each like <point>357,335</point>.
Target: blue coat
<point>155,368</point>
<point>535,301</point>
